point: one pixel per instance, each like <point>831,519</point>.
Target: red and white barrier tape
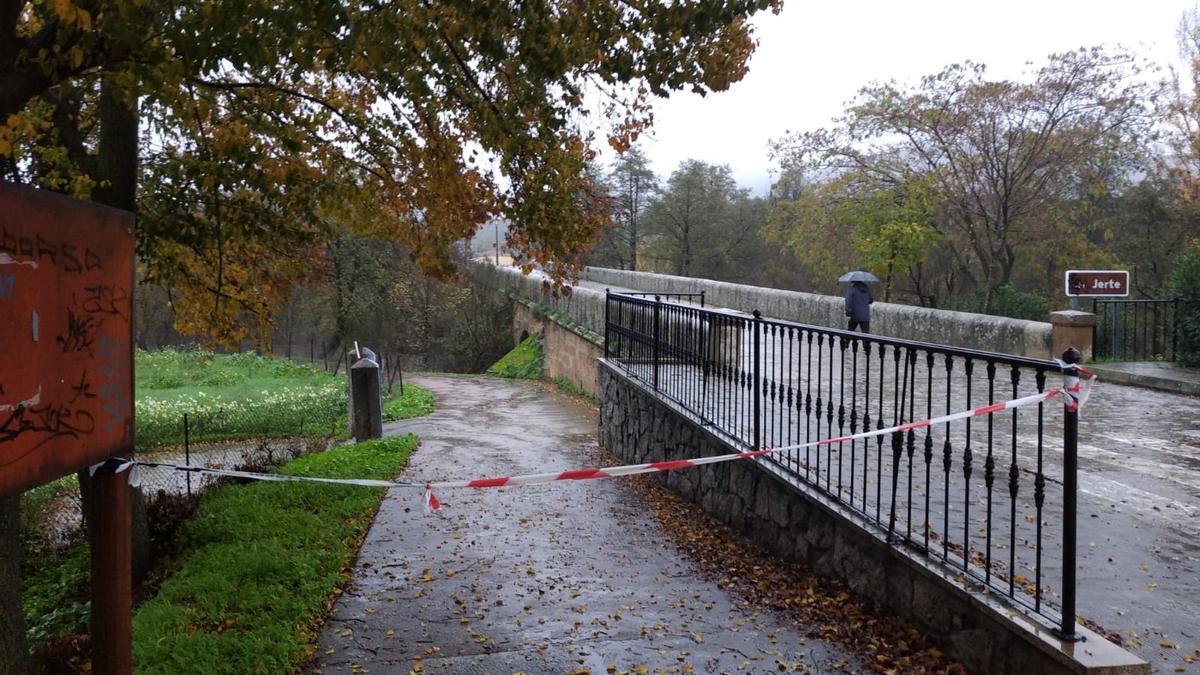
<point>1074,388</point>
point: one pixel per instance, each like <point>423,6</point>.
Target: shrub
<point>1006,301</point>
<point>1185,285</point>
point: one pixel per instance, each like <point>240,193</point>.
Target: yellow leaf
<point>5,148</point>
<point>76,55</point>
<point>62,8</point>
<point>84,19</point>
<point>698,638</point>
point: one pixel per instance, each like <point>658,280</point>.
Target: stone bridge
<point>1139,476</point>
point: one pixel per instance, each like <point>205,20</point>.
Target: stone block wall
<point>572,357</point>
<point>636,427</point>
<point>571,351</point>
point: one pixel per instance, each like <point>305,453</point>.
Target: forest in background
<point>959,191</point>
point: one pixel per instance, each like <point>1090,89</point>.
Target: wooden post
<point>112,576</point>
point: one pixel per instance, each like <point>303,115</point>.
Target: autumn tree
<point>1180,164</point>
<point>267,127</point>
<point>1000,157</point>
<point>843,224</point>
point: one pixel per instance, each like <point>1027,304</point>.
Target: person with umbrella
<point>859,299</point>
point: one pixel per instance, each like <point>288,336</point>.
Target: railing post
<point>1071,358</point>
<point>187,453</point>
<point>1096,351</point>
<point>1174,329</point>
<point>657,339</point>
<point>757,381</point>
<point>1115,336</point>
<point>607,300</point>
<point>701,298</point>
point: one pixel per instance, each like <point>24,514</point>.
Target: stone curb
<point>1145,381</point>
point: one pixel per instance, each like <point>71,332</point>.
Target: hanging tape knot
<point>114,465</point>
<point>431,501</point>
<point>1077,380</point>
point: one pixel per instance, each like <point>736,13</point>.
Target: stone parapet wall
<point>957,329</point>
<point>584,307</point>
<point>750,496</point>
<point>571,352</point>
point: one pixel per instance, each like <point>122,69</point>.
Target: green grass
<point>258,565</point>
<point>569,387</point>
<point>35,501</point>
<point>171,370</point>
<point>230,397</point>
<point>524,362</point>
<point>414,402</point>
<point>54,595</point>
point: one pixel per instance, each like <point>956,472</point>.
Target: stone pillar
<point>1072,329</point>
<point>724,342</point>
<point>366,405</point>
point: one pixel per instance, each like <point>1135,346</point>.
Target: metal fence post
<point>657,308</point>
<point>187,453</point>
<point>1116,345</point>
<point>1096,350</point>
<point>701,298</point>
<point>607,300</point>
<point>1174,329</point>
<point>757,381</point>
<point>1070,357</point>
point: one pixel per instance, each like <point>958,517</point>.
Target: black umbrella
<point>858,275</point>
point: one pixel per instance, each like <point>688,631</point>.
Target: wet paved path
<point>544,579</point>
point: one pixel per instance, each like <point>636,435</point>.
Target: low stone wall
<point>571,351</point>
<point>636,426</point>
<point>572,356</point>
<point>584,307</point>
<point>958,329</point>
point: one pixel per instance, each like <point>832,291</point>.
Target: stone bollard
<point>366,404</point>
<point>1072,328</point>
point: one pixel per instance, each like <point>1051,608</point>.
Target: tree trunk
<point>633,228</point>
<point>14,653</point>
<point>887,289</point>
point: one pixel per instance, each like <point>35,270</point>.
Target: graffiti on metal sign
<point>66,272</point>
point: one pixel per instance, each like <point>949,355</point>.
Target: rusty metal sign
<point>66,362</point>
<point>1101,283</point>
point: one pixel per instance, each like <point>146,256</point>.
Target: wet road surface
<point>542,579</point>
<point>1138,524</point>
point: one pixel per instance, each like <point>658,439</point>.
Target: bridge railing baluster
<point>775,384</point>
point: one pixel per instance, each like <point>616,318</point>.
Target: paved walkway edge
<point>1147,381</point>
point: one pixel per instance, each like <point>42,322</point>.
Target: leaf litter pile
<point>886,643</point>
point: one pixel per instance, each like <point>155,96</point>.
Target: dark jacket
<point>858,302</point>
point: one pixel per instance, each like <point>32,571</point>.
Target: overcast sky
<point>816,54</point>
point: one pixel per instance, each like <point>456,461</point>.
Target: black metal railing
<point>688,297</point>
<point>1136,330</point>
<point>980,496</point>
